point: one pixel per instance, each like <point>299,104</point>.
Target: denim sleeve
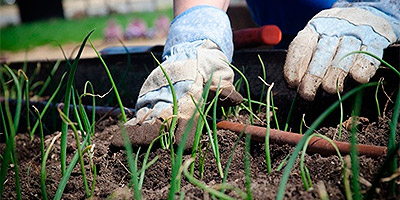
<point>200,23</point>
<point>388,9</point>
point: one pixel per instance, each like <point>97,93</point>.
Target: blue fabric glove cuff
<point>388,9</point>
<point>196,24</point>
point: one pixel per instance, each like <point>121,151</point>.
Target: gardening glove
<point>315,55</point>
<point>199,47</point>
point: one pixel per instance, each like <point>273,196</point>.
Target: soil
<point>113,175</point>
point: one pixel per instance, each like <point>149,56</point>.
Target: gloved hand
<point>313,56</point>
<point>199,45</point>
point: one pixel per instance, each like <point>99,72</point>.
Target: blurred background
<point>34,30</point>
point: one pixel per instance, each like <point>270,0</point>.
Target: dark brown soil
<point>113,169</point>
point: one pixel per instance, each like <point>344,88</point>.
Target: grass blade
<point>215,137</point>
<point>131,163</point>
<point>247,89</point>
<point>228,163</point>
<point>42,155</point>
<point>49,78</point>
<point>305,174</point>
<point>264,77</point>
<point>392,138</point>
<point>289,117</point>
<point>3,120</point>
<point>48,104</point>
<point>314,125</point>
<point>26,93</point>
<point>202,185</point>
<point>10,145</point>
<point>64,126</point>
<point>374,56</point>
<point>392,153</point>
<point>175,182</point>
<point>267,150</point>
<point>82,165</point>
<point>43,167</point>
<point>209,130</point>
<point>75,109</point>
<point>200,123</point>
<point>112,82</point>
<point>376,97</point>
<point>174,100</point>
<point>247,167</point>
<point>353,148</point>
<point>71,166</point>
<point>341,111</point>
<point>274,112</point>
<point>144,163</point>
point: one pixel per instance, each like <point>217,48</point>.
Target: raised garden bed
<point>113,171</point>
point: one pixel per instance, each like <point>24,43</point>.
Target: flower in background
<point>160,28</point>
<point>113,31</point>
<point>136,29</point>
<point>162,24</point>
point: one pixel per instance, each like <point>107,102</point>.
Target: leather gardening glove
<point>199,45</point>
<point>313,56</point>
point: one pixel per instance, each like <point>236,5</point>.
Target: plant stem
<point>353,148</point>
<point>392,138</point>
<point>121,107</point>
<point>267,150</point>
<point>247,167</point>
<point>64,126</point>
<point>314,125</point>
<point>247,88</point>
<point>289,117</point>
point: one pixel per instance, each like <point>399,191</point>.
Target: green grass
<point>305,174</point>
<point>247,89</point>
<point>200,184</point>
<point>10,151</point>
<point>174,120</point>
<point>267,150</point>
<point>314,125</point>
<point>341,112</point>
<point>29,35</point>
<point>355,168</point>
<point>111,81</point>
<point>85,125</point>
<point>67,99</point>
<point>200,124</point>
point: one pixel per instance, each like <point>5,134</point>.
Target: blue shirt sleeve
<point>292,15</point>
<point>289,15</point>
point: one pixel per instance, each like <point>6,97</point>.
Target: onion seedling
<point>314,125</point>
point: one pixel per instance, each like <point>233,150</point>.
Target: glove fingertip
<point>333,80</point>
<point>228,96</point>
<point>309,86</point>
<point>363,70</point>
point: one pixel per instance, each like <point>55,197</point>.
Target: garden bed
<point>112,168</point>
<point>113,173</point>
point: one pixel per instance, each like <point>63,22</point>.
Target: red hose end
<point>271,34</point>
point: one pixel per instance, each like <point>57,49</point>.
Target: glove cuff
<point>359,16</point>
<point>200,23</point>
<point>387,9</point>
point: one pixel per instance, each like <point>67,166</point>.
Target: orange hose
<point>316,145</point>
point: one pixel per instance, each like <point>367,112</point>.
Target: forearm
<point>182,5</point>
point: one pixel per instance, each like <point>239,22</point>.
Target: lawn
<point>30,35</point>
